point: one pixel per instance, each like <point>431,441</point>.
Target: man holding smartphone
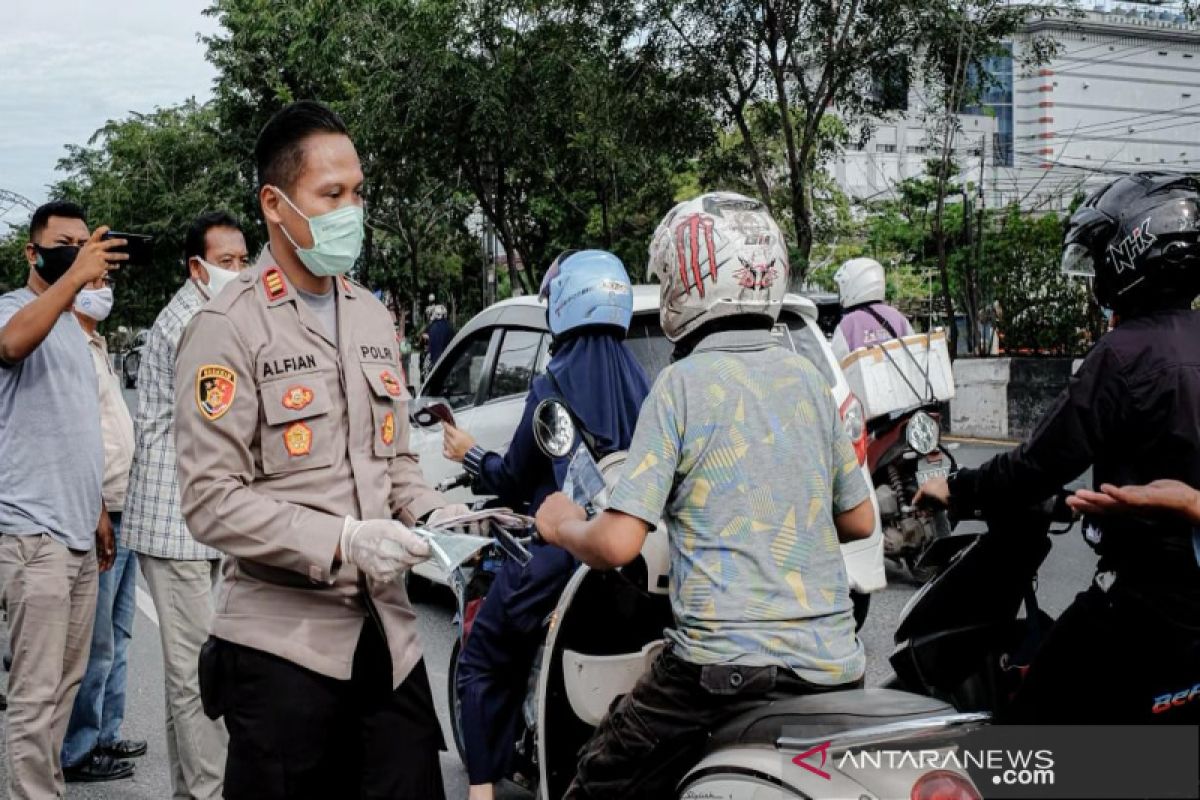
<point>53,524</point>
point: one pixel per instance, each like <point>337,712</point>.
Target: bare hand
<point>106,543</point>
<point>456,443</point>
<point>1163,496</point>
<point>95,259</point>
<point>935,491</point>
<point>554,511</point>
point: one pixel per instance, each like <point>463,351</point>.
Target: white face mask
<point>95,303</point>
<point>218,278</point>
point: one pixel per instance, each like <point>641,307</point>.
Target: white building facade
<point>1121,95</point>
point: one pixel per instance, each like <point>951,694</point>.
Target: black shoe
<point>124,748</point>
<point>3,701</point>
<point>98,767</point>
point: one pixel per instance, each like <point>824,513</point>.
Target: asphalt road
<point>1066,572</point>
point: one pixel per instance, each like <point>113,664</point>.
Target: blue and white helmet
<point>585,288</point>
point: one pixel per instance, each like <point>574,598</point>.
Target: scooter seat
<point>825,715</point>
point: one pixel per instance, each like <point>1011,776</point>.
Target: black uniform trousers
<point>296,734</point>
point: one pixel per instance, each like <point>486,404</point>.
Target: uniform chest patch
<point>387,431</point>
<point>297,397</point>
<point>298,439</point>
<point>215,390</point>
<point>390,383</point>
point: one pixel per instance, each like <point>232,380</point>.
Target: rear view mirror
<point>553,428</point>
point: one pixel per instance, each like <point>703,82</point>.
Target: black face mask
<point>53,262</point>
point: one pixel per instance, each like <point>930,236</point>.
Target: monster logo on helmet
<point>718,255</point>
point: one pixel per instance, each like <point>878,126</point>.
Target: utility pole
<point>985,342</point>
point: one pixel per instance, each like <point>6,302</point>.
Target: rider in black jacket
<point>1129,646</point>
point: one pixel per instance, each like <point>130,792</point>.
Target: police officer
<point>293,461</point>
<point>1132,413</point>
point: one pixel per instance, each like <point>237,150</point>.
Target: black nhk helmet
<point>1139,240</point>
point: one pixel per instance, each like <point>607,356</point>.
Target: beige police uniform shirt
<point>281,434</point>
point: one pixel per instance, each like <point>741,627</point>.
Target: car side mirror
<point>553,428</point>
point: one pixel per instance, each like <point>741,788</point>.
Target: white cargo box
<point>900,374</point>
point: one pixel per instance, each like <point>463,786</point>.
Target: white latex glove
<point>382,548</point>
<point>450,512</point>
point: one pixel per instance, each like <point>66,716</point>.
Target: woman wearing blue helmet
<point>589,306</point>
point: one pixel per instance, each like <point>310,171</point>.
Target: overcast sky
<point>68,66</point>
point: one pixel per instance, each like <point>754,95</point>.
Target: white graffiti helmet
<point>718,255</point>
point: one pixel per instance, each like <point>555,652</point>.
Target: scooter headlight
<point>922,433</point>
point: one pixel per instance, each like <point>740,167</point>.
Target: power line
<point>1123,121</point>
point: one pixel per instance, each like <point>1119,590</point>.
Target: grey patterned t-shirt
<point>739,448</point>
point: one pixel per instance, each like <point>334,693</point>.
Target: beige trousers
<point>49,593</point>
<point>183,594</point>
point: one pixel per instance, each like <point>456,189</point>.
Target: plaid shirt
<point>153,523</point>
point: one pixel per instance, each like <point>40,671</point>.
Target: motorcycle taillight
<point>854,420</point>
<point>944,785</point>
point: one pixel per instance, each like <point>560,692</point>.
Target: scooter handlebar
<point>462,479</point>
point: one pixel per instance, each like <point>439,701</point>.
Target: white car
<point>487,369</point>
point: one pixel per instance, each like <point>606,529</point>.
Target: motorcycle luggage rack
<point>889,732</point>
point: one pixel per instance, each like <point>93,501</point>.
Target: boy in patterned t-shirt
<point>740,449</point>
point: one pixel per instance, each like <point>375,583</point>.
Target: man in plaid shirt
<point>180,572</point>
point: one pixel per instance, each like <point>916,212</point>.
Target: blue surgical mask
<point>337,239</point>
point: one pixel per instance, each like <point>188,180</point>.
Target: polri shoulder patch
<point>274,283</point>
<point>215,390</point>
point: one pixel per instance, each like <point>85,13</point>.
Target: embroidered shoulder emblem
<point>215,390</point>
<point>273,281</point>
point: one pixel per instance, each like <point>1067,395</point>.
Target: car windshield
<point>653,351</point>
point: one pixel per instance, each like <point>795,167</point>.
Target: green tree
<point>1041,309</point>
<point>800,59</point>
<point>960,37</point>
<point>561,128</point>
<point>153,173</point>
<point>14,269</point>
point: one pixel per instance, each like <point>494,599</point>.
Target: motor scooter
<point>903,452</point>
<point>608,627</point>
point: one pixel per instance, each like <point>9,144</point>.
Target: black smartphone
<point>137,245</point>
